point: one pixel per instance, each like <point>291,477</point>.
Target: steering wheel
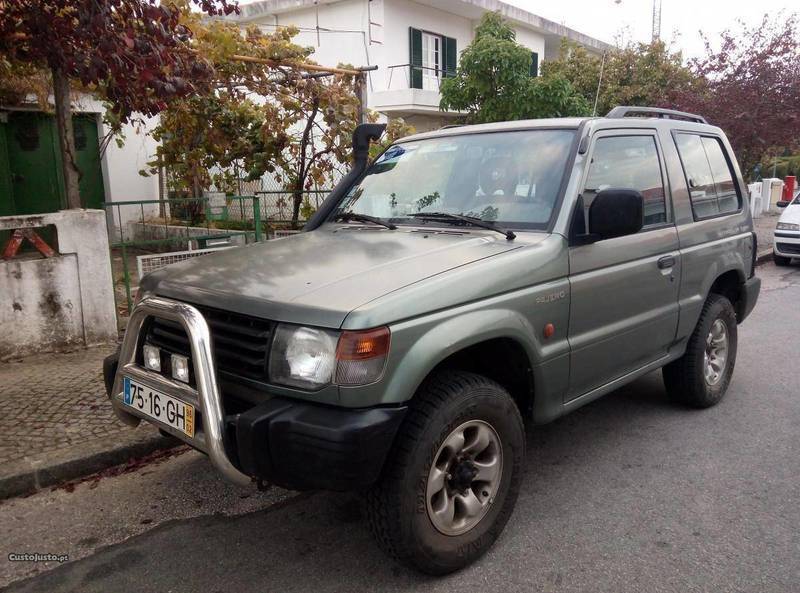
<point>498,173</point>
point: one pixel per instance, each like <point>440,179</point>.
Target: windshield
<point>508,178</point>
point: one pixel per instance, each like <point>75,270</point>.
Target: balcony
<point>398,97</point>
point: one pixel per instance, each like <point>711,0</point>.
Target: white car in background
<point>787,233</point>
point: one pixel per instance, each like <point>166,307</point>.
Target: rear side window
<point>628,162</point>
<point>708,174</point>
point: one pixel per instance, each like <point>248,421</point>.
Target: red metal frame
<point>15,242</point>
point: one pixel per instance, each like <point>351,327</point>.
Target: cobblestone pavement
<point>53,401</point>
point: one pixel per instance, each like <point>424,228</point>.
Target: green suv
<point>469,283</point>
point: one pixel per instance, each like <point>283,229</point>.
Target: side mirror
<point>616,213</point>
<point>782,203</point>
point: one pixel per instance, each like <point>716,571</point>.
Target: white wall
<point>347,41</point>
<point>121,165</point>
<point>532,40</point>
<point>402,14</point>
<point>62,301</point>
<point>385,43</point>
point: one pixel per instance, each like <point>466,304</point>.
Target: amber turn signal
<point>361,356</point>
<point>360,345</point>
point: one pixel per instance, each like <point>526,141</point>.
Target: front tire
<point>781,260</point>
<point>701,376</point>
<point>452,479</point>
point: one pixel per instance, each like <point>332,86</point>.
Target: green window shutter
<point>534,64</point>
<point>415,57</point>
<point>450,56</point>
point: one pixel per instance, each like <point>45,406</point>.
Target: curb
<point>763,256</point>
<point>31,474</point>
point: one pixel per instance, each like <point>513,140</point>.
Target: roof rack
<point>627,111</point>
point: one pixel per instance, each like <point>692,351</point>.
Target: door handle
<point>666,262</point>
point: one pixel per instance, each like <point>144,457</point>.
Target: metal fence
<point>160,232</point>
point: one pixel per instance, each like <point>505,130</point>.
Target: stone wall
<point>60,302</point>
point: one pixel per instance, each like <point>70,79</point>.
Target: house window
<point>431,61</point>
<point>432,56</point>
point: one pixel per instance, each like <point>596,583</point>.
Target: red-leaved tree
<point>750,87</point>
<point>135,53</point>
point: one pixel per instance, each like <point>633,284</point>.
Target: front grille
<point>240,342</point>
<point>789,247</point>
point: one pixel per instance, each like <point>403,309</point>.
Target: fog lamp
<point>180,368</point>
<point>152,358</point>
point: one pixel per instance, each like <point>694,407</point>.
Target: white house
<point>413,42</point>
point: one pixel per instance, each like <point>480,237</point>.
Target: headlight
<point>310,358</point>
<point>302,356</point>
<point>788,226</point>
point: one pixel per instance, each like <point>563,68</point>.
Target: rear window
<point>708,174</point>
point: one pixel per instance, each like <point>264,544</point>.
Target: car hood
<point>318,277</point>
<point>791,214</point>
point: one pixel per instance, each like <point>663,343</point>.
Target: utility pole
<point>656,20</point>
<point>656,31</point>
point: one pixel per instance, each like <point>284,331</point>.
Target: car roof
<point>503,126</point>
<point>567,123</point>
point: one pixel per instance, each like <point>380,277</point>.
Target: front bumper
<point>307,446</point>
<point>787,243</point>
<point>294,444</point>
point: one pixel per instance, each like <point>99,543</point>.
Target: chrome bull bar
<point>207,396</point>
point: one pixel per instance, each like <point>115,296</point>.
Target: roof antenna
<point>599,82</point>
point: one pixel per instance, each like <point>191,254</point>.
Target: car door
<point>624,290</point>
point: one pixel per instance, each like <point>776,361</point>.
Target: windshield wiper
<point>348,216</point>
<point>465,219</point>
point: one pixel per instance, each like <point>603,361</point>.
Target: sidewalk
<point>56,422</point>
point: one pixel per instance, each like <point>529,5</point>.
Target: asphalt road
<point>630,493</point>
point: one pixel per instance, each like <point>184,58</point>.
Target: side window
<point>708,174</point>
<point>727,196</point>
<point>628,162</point>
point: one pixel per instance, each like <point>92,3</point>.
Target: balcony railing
<point>426,74</point>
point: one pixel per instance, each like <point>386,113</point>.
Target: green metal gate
<point>31,177</point>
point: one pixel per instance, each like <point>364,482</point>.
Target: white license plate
<point>159,406</point>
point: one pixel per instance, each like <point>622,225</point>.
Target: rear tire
<point>460,428</point>
<point>781,260</point>
<point>701,376</point>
